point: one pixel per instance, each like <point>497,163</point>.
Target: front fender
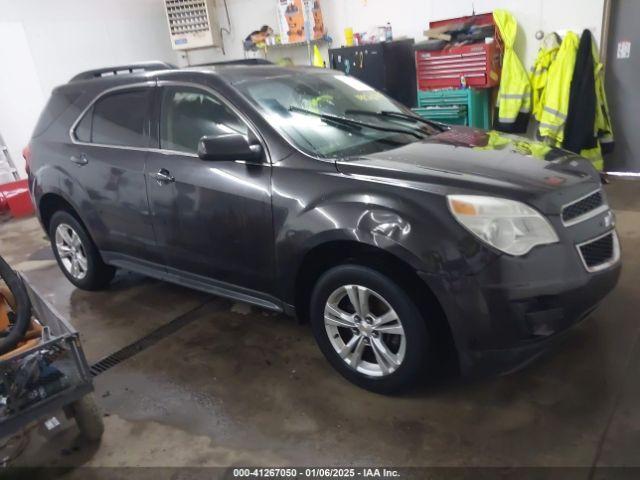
<point>313,207</point>
<point>379,223</point>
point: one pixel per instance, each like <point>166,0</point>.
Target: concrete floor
<point>240,386</point>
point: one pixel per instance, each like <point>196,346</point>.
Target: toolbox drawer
<point>478,64</point>
<point>442,97</point>
<point>454,115</point>
<point>451,103</point>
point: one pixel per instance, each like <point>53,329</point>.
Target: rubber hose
<point>23,308</point>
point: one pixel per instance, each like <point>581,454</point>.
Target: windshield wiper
<point>402,116</point>
<point>328,118</point>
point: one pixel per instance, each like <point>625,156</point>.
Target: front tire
<point>369,329</point>
<point>76,253</point>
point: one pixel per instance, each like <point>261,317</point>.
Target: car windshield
<point>332,115</point>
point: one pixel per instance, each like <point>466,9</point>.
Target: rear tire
<point>77,255</point>
<point>384,344</point>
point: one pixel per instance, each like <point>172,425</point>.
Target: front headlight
<point>509,226</point>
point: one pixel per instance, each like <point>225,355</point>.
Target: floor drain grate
<point>145,342</point>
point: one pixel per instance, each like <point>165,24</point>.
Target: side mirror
<point>228,147</point>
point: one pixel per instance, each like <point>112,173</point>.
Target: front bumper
<point>515,308</point>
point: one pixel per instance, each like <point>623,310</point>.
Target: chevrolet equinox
<point>307,192</point>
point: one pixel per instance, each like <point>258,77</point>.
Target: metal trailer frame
<point>62,334</point>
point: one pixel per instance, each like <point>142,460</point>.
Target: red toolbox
<point>479,63</point>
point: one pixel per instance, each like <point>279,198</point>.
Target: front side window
<point>188,114</point>
<point>118,119</point>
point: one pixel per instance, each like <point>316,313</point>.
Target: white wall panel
<point>21,96</point>
<point>410,18</point>
<point>61,38</point>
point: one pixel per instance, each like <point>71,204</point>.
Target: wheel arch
<point>332,253</point>
<point>50,203</point>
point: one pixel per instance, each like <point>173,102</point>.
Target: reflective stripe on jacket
<point>514,96</point>
<point>540,71</point>
<point>555,106</point>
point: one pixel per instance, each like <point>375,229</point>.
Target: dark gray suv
<point>307,192</point>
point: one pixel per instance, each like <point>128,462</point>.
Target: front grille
<point>599,252</point>
<point>582,207</point>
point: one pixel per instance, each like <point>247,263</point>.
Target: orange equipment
<point>34,333</point>
<point>318,21</point>
<point>295,21</point>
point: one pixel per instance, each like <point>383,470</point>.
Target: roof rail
<point>242,61</point>
<point>123,70</point>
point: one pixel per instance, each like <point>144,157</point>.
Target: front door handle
<point>80,159</point>
<point>164,177</point>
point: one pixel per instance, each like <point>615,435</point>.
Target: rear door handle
<point>80,159</point>
<point>164,177</point>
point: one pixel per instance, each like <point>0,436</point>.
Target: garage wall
<point>44,43</point>
<point>247,16</point>
<point>50,41</point>
<point>410,18</point>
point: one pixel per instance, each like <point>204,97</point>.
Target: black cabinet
<point>389,67</point>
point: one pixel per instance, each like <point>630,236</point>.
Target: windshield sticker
<point>354,83</point>
<point>371,96</point>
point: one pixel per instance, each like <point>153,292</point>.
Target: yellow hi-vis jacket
<point>555,106</point>
<point>514,96</point>
<point>540,71</point>
<point>602,128</point>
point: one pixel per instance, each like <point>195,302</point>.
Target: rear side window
<point>119,119</point>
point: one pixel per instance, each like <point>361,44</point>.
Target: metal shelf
<point>306,43</point>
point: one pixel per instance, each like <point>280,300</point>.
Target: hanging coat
<point>579,131</point>
<point>514,96</point>
<point>603,128</point>
<point>555,106</point>
<point>540,71</point>
<point>588,119</point>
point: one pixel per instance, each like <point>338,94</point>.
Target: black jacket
<point>579,129</point>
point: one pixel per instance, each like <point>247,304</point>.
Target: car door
<point>111,143</point>
<point>212,219</point>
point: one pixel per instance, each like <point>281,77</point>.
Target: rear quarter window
<point>83,130</point>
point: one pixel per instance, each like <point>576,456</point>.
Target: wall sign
<point>624,49</point>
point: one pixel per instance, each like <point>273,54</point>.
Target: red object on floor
<point>16,195</point>
<point>4,206</point>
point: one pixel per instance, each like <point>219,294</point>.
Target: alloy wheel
<point>71,251</point>
<point>365,330</point>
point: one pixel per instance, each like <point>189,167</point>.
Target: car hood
<point>468,160</point>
